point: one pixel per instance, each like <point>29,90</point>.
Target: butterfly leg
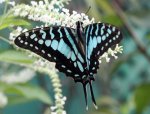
<point>92,95</point>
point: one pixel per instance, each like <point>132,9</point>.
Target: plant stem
<point>123,17</point>
<point>6,6</point>
<point>4,39</point>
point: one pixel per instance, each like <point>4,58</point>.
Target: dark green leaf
<point>142,97</point>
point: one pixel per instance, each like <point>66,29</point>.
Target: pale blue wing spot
<point>103,38</point>
<point>107,35</point>
<point>103,27</point>
<point>69,71</point>
<point>109,31</point>
<point>75,64</point>
<point>80,58</point>
<point>61,45</point>
<point>76,75</point>
<point>40,41</point>
<point>117,36</point>
<point>110,41</point>
<point>97,28</point>
<point>63,48</point>
<point>80,66</point>
<point>35,39</point>
<point>94,42</point>
<point>71,40</point>
<point>63,66</point>
<point>102,31</point>
<point>99,39</point>
<point>27,34</point>
<point>51,33</point>
<point>91,29</point>
<point>69,54</point>
<point>89,62</point>
<point>87,32</point>
<point>113,29</point>
<point>106,44</point>
<point>90,47</point>
<point>67,51</point>
<point>48,55</point>
<point>43,34</point>
<point>54,44</point>
<point>48,43</point>
<point>102,48</point>
<point>114,38</point>
<point>60,33</point>
<point>33,36</point>
<point>91,73</point>
<point>73,57</point>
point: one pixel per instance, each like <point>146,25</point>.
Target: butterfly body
<point>75,51</point>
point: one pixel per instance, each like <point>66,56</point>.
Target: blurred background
<point>122,86</point>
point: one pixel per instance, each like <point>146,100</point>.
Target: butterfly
<point>75,51</point>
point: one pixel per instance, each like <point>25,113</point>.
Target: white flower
<point>3,100</point>
<point>118,49</point>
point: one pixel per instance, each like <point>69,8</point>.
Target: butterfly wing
<point>99,38</point>
<point>56,44</point>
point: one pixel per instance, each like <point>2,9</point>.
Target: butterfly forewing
<point>99,38</point>
<point>56,44</point>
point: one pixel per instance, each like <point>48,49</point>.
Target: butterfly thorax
<point>80,36</point>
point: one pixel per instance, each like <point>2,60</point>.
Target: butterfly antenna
<point>92,95</point>
<point>85,94</point>
<point>88,9</point>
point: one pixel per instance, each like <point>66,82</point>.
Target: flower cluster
<point>50,15</point>
<point>111,52</point>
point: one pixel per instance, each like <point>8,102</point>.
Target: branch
<point>123,17</point>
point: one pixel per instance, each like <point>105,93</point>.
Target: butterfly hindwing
<point>56,44</point>
<point>99,38</point>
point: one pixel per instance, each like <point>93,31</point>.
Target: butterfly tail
<point>85,94</point>
<point>92,95</point>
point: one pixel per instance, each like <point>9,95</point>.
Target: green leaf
<point>112,19</point>
<point>142,97</point>
<point>11,21</point>
<point>17,100</point>
<point>105,6</point>
<point>16,57</point>
<point>29,92</point>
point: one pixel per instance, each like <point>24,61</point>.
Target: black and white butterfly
<point>75,51</point>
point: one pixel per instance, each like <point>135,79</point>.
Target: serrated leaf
<point>13,56</point>
<point>142,97</point>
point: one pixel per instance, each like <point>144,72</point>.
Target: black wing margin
<point>55,44</point>
<point>99,38</point>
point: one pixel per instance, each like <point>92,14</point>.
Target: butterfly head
<point>79,25</point>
